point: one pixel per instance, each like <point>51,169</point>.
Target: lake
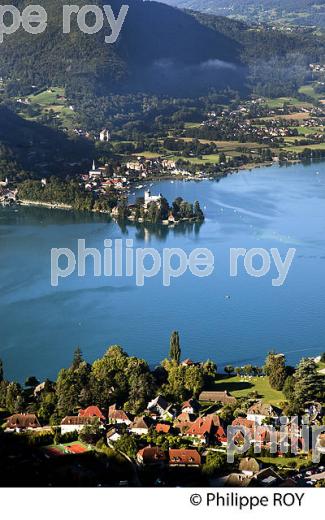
<point>230,320</point>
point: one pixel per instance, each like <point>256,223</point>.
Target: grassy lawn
<point>48,97</point>
<point>283,462</point>
<point>320,146</point>
<point>278,102</point>
<point>192,125</point>
<point>49,100</point>
<point>308,90</point>
<point>241,387</point>
<point>147,155</point>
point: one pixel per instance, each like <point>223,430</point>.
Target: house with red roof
<point>22,421</point>
<point>220,436</point>
<point>151,456</point>
<point>92,411</point>
<point>201,429</point>
<point>188,458</point>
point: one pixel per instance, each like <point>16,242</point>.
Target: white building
<point>75,423</point>
<point>104,135</point>
<point>148,198</point>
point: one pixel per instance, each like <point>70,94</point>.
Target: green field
<point>49,100</point>
<point>320,146</point>
<point>48,97</point>
<point>279,102</point>
<point>309,91</point>
<point>283,462</point>
<point>242,386</point>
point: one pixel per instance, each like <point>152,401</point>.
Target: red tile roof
<point>22,421</point>
<point>151,455</point>
<point>187,457</point>
<point>163,428</point>
<point>241,421</point>
<point>91,411</point>
<point>201,427</point>
<point>117,415</point>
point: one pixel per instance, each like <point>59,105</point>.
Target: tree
<point>210,368</point>
<point>127,444</point>
<point>175,349</point>
<point>289,388</point>
<point>215,462</point>
<point>14,399</point>
<point>31,382</point>
<point>275,368</point>
<point>91,433</point>
<point>198,213</point>
<point>194,380</point>
<point>229,369</point>
<point>47,405</point>
<point>309,385</point>
<point>77,359</point>
<point>1,370</point>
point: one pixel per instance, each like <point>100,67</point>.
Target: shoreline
<point>156,179</point>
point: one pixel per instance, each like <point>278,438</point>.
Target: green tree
<point>289,388</point>
<point>229,369</point>
<point>309,384</point>
<point>175,349</point>
<point>275,368</point>
<point>127,444</point>
<point>14,399</point>
<point>194,380</point>
<point>215,463</point>
<point>91,433</point>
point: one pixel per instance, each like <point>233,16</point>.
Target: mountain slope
<point>156,41</point>
<point>293,12</point>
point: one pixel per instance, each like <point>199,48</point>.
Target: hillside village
<point>168,441</point>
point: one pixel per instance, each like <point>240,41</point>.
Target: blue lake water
<point>268,207</point>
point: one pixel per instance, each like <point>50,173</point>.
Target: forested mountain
<point>295,12</point>
<point>164,60</point>
<point>160,49</point>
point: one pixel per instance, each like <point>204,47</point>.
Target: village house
<point>116,416</point>
<point>192,407</point>
<point>187,362</point>
<point>217,397</point>
<point>141,425</point>
<point>76,423</point>
<point>113,435</point>
<point>159,408</point>
<point>201,429</point>
<point>92,411</point>
<point>188,458</point>
<point>21,422</point>
<point>260,412</point>
<point>185,417</point>
<point>104,135</point>
<point>150,456</point>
